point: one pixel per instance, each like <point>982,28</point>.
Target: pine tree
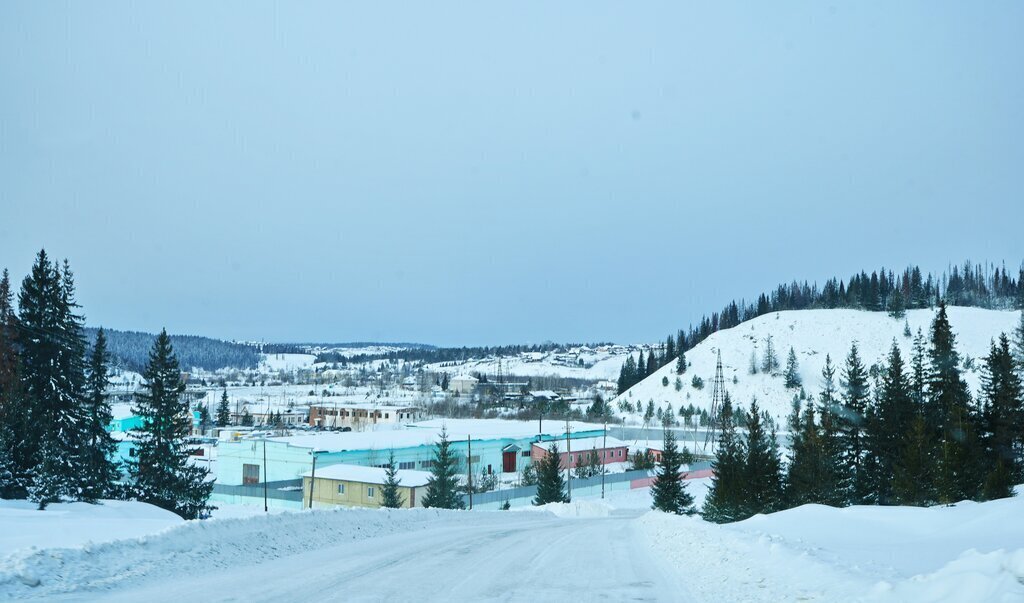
<point>681,362</point>
<point>770,362</point>
<point>914,473</point>
<point>14,464</point>
<point>949,402</point>
<point>1001,394</point>
<point>753,362</point>
<point>550,484</point>
<point>1018,340</point>
<point>100,467</point>
<point>391,496</point>
<point>641,367</point>
<point>443,483</point>
<point>834,482</point>
<point>889,425</point>
<point>851,419</point>
<point>160,467</point>
<point>793,379</point>
<point>246,419</point>
<point>806,471</point>
<point>724,501</point>
<point>918,372</point>
<point>668,490</point>
<point>762,467</point>
<point>52,377</point>
<point>223,410</point>
<point>897,306</point>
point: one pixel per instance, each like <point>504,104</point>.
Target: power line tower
<point>717,400</point>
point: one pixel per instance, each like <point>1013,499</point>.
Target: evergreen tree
<point>670,350</point>
<point>204,416</point>
<point>834,482</point>
<point>246,419</point>
<point>641,368</point>
<point>793,380</point>
<point>724,501</point>
<point>100,468</point>
<point>443,483</point>
<point>53,379</point>
<point>851,419</point>
<point>762,467</point>
<point>1001,418</point>
<point>681,362</point>
<point>668,490</point>
<point>223,410</point>
<point>550,484</point>
<point>949,402</point>
<point>1018,340</point>
<point>589,467</point>
<point>160,467</point>
<point>889,426</point>
<point>770,362</point>
<point>14,465</point>
<point>918,373</point>
<point>897,306</point>
<point>753,362</point>
<point>391,496</point>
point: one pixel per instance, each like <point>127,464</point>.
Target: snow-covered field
<point>597,363</point>
<point>588,550</point>
<point>812,334</point>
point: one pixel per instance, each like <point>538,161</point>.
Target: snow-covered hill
<point>812,334</point>
<point>581,362</point>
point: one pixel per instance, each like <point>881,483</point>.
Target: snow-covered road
<point>484,557</point>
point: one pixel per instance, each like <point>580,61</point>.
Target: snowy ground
<point>812,334</point>
<point>588,550</point>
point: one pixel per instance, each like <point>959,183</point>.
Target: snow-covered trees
<point>159,465</point>
<point>101,470</point>
<point>1002,418</point>
<point>770,360</point>
<point>792,376</point>
<point>550,484</point>
<point>668,491</point>
<point>851,420</point>
<point>443,483</point>
<point>223,410</point>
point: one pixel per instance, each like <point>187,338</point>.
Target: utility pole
<point>604,451</point>
<point>469,468</point>
<point>312,482</point>
<point>265,509</point>
<point>568,460</point>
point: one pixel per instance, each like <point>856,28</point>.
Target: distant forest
<point>429,355</point>
<point>307,348</point>
<point>130,350</point>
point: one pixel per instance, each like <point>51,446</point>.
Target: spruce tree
<point>668,490</point>
<point>914,473</point>
<point>806,470</point>
<point>793,380</point>
<point>724,501</point>
<point>391,496</point>
<point>834,480</point>
<point>1018,339</point>
<point>897,306</point>
<point>14,464</point>
<point>160,466</point>
<point>762,466</point>
<point>223,410</point>
<point>889,425</point>
<point>1001,396</point>
<point>770,362</point>
<point>641,367</point>
<point>851,419</point>
<point>681,362</point>
<point>443,483</point>
<point>550,484</point>
<point>52,381</point>
<point>100,466</point>
<point>949,403</point>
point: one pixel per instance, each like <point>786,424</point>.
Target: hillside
<point>812,334</point>
<point>130,350</point>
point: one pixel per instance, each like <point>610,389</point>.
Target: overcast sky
<point>452,173</point>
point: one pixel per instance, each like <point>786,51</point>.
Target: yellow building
<point>357,486</point>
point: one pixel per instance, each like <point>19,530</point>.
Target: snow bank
<point>995,577</point>
<point>576,508</point>
<point>196,546</point>
<point>23,526</point>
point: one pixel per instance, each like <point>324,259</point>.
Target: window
<point>386,415</point>
<point>341,488</point>
<point>526,454</point>
<point>426,464</point>
<point>250,474</point>
<point>620,452</point>
<point>369,491</point>
<point>407,465</point>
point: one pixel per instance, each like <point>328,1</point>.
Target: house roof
<point>370,475</point>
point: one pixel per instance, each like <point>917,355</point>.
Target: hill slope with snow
<point>812,334</point>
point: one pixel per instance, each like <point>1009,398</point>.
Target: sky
<point>482,173</point>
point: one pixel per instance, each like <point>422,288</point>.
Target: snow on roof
<point>370,475</point>
<point>427,433</point>
<point>585,444</point>
<point>544,393</point>
<point>465,378</point>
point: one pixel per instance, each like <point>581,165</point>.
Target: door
<point>508,462</point>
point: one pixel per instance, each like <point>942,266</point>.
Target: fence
<point>274,490</point>
<point>523,495</point>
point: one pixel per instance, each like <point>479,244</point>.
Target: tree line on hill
<point>130,350</point>
<point>913,435</point>
<point>54,412</point>
<point>450,356</point>
<point>968,285</point>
